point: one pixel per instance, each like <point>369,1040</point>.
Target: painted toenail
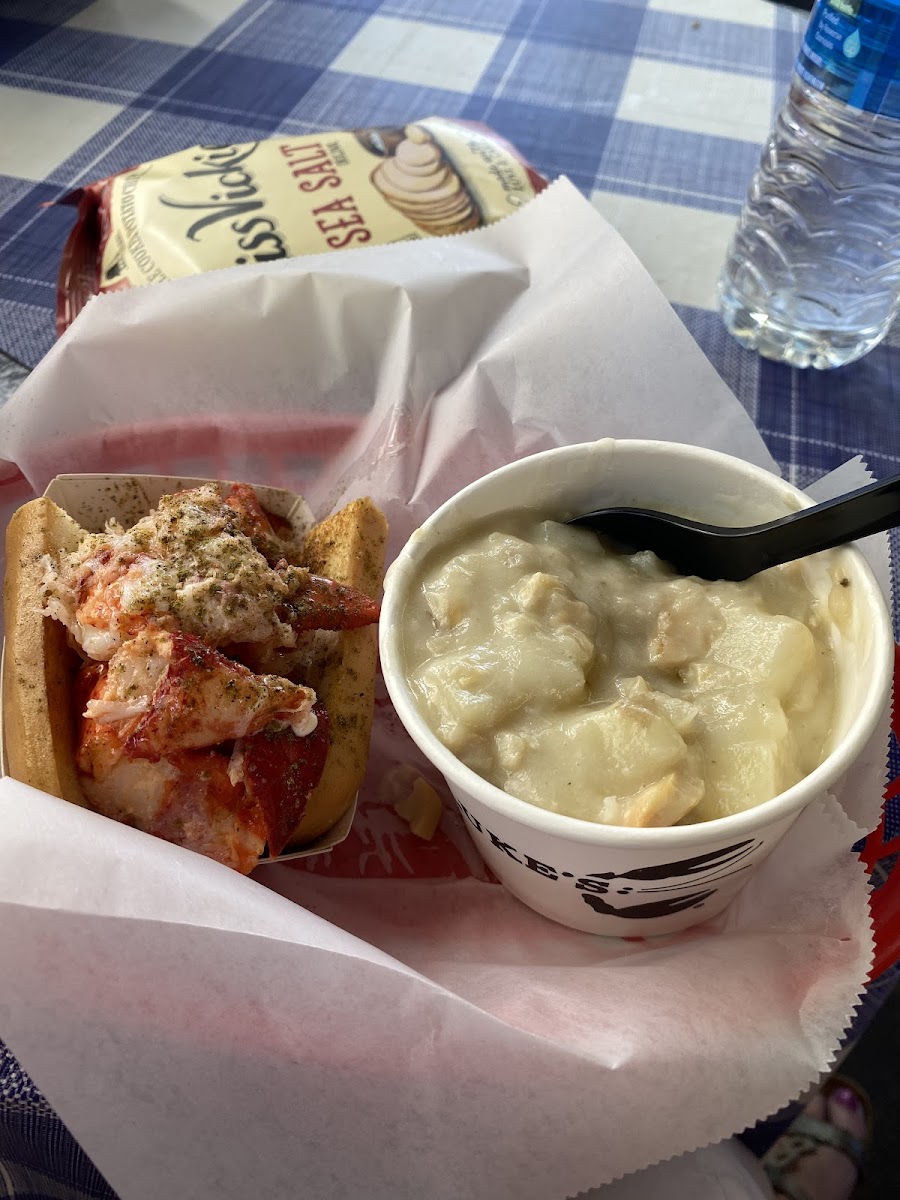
<point>846,1097</point>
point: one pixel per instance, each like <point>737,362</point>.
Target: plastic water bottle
<point>812,276</point>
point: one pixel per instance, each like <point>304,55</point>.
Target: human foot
<point>818,1157</point>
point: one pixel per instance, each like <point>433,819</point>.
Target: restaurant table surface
<point>655,109</point>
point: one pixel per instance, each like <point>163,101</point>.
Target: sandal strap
<point>804,1137</point>
<point>826,1134</point>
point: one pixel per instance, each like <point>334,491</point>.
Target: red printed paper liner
<point>289,450</point>
<point>469,936</point>
<point>482,1044</point>
<point>880,855</point>
<point>431,906</point>
<point>380,845</point>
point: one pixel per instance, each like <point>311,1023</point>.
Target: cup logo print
<point>601,890</point>
<point>657,891</point>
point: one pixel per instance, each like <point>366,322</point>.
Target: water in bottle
<point>812,276</point>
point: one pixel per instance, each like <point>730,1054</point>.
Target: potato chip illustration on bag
<point>419,181</point>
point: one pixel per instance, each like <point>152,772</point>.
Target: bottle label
<point>851,50</point>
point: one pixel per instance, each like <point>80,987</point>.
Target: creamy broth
<point>607,687</point>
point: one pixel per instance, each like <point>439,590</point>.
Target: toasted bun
<point>39,668</point>
<point>349,548</point>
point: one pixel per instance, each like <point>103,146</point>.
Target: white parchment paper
<point>392,1023</point>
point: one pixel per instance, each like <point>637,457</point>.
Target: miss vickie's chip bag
<point>218,206</point>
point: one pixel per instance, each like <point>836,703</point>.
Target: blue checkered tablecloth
<point>655,109</point>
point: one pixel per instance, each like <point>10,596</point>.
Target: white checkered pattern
<point>418,53</point>
<point>40,129</point>
<point>696,100</point>
<point>738,12</point>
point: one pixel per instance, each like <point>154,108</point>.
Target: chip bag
<point>220,206</point>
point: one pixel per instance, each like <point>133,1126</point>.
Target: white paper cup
<point>609,879</point>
